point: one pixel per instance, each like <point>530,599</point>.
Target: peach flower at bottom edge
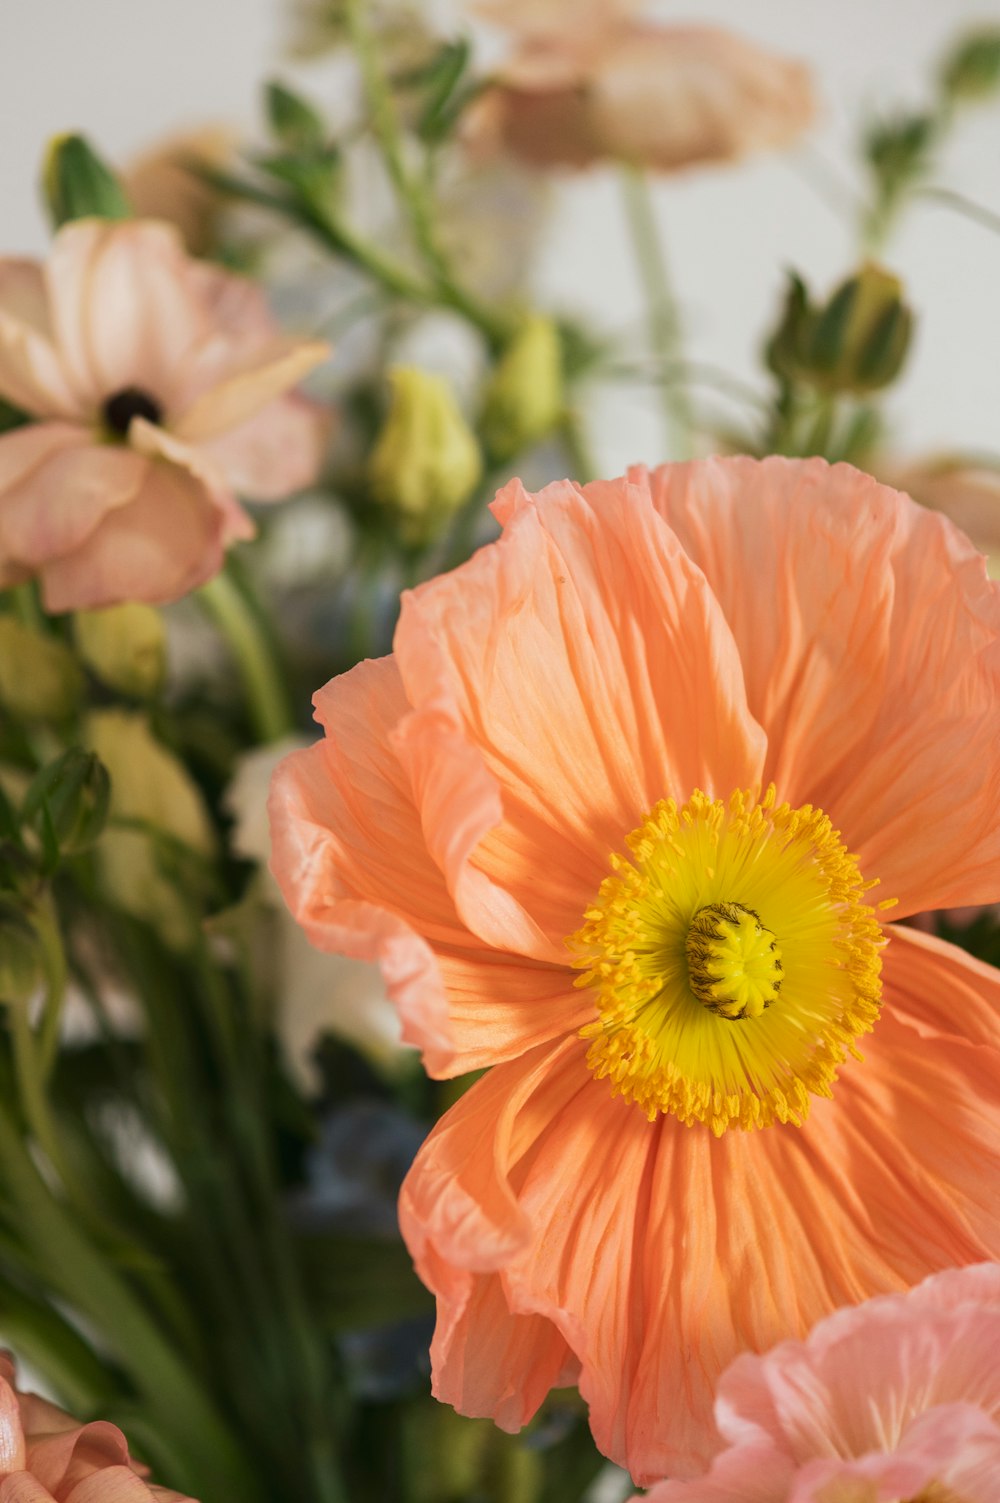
<point>47,1457</point>
<point>662,97</point>
<point>898,1398</point>
<point>159,385</point>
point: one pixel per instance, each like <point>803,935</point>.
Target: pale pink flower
<point>898,1398</point>
<point>47,1457</point>
<point>160,386</point>
<point>660,97</point>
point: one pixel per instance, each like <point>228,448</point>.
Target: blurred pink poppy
<point>160,385</point>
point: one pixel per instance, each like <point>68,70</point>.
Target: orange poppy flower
<point>612,818</point>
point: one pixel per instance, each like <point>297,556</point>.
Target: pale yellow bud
<point>150,870</point>
<point>39,677</point>
<point>125,646</point>
<point>426,460</point>
<point>524,397</point>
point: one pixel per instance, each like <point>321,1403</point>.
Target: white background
<point>126,71</point>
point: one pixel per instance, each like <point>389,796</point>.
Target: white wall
<point>127,70</point>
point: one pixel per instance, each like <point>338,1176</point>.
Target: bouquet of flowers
<point>573,1066</point>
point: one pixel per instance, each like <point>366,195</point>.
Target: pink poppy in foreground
<point>610,818</point>
<point>47,1457</point>
<point>160,385</point>
<point>657,96</point>
<point>898,1398</point>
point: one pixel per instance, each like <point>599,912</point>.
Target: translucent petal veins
<point>734,961</point>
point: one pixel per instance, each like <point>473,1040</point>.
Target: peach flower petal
<point>655,1307</point>
<point>939,988</point>
<point>345,832</point>
<point>277,452</point>
<point>883,716</point>
<point>582,665</point>
<point>12,1452</point>
<point>167,541</point>
<point>147,438</point>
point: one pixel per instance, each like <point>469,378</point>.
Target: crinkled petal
<point>660,1252</point>
<point>563,681</point>
<point>350,858</point>
<point>939,988</point>
<point>115,1484</point>
<point>870,638</point>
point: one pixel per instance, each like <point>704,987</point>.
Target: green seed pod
<point>39,677</point>
<point>125,646</point>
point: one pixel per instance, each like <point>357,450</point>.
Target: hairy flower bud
<point>524,397</point>
<point>426,460</point>
<point>855,342</point>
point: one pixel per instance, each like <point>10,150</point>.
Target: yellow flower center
<point>734,960</point>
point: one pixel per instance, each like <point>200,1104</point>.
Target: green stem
<point>661,306</point>
<point>410,188</point>
<point>265,688</point>
<point>194,1443</point>
<point>948,198</point>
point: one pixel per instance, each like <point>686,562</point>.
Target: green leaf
<point>77,183</point>
<point>354,1282</point>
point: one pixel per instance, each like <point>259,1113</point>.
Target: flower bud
<point>68,803</point>
<point>39,677</point>
<point>77,184</point>
<point>524,397</point>
<point>152,870</point>
<point>971,72</point>
<point>426,460</point>
<point>856,342</point>
<point>125,646</point>
<point>21,959</point>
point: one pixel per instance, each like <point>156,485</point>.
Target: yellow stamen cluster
<point>734,960</point>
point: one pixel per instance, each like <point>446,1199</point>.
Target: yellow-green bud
<point>125,646</point>
<point>21,958</point>
<point>78,184</point>
<point>524,397</point>
<point>39,677</point>
<point>151,787</point>
<point>426,460</point>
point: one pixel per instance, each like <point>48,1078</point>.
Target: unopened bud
<point>524,397</point>
<point>125,646</point>
<point>77,184</point>
<point>856,342</point>
<point>426,460</point>
<point>68,802</point>
<point>971,72</point>
<point>39,677</point>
